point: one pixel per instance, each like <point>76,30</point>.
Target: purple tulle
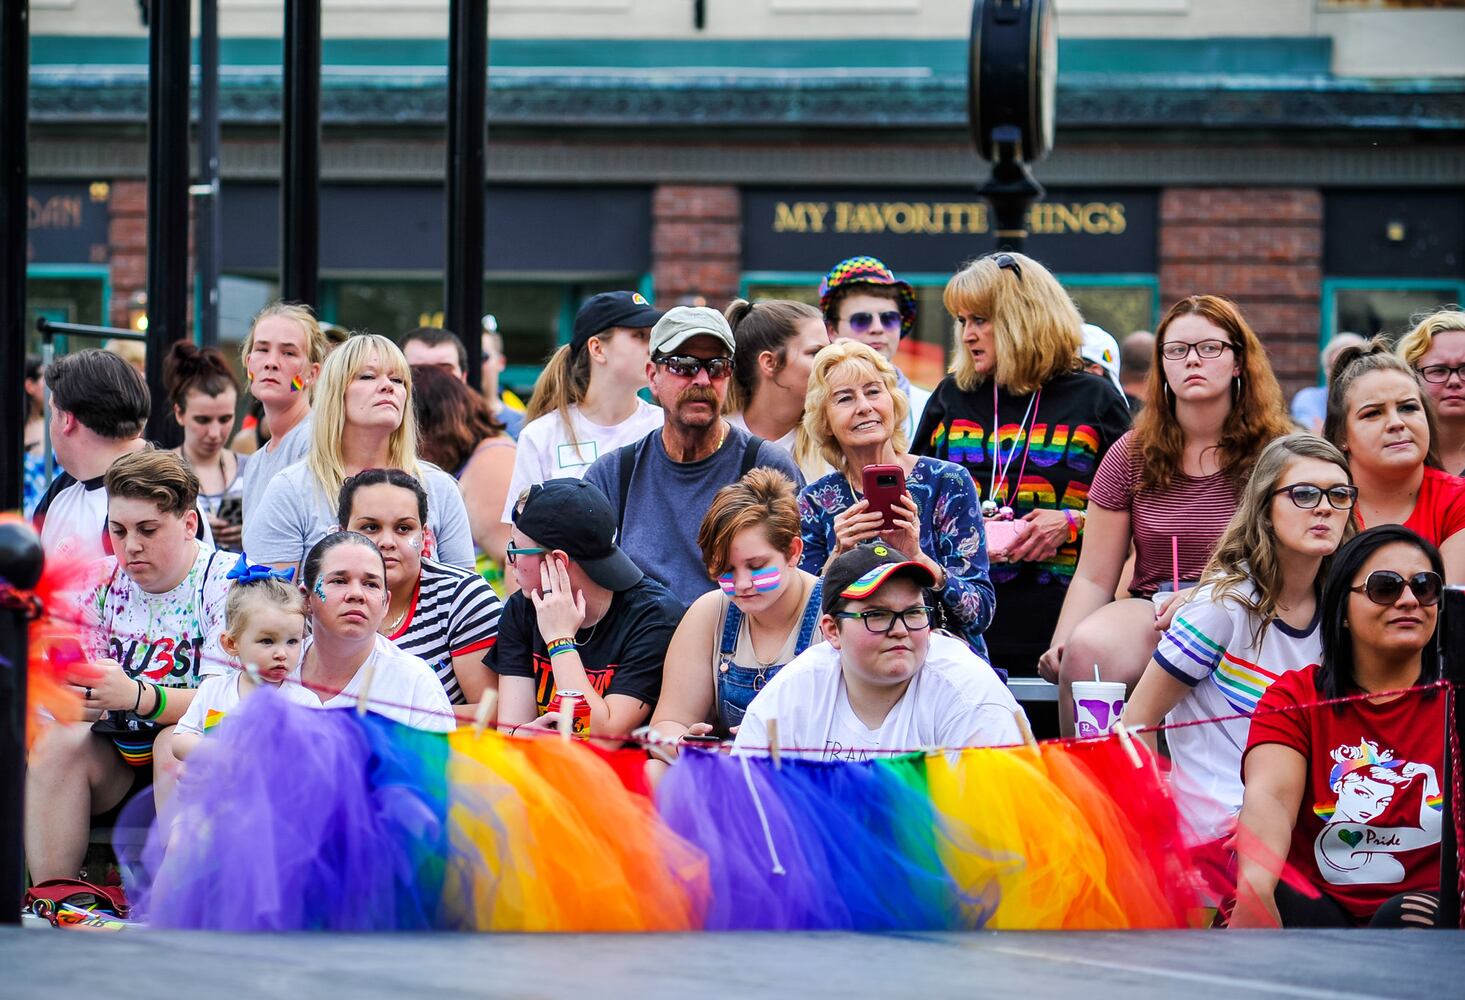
<point>761,879</point>
<point>280,825</point>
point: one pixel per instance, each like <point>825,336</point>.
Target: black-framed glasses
<point>1440,374</point>
<point>1307,495</point>
<point>881,620</point>
<point>511,553</point>
<point>1008,262</point>
<point>1176,350</point>
<point>686,366</point>
<point>1384,586</point>
<point>861,322</point>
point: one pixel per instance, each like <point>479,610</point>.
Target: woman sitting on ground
<point>1350,794</point>
<point>362,420</point>
<point>734,640</point>
<point>445,615</point>
<point>347,661</point>
<point>1170,486</point>
<point>1380,417</point>
<point>1253,619</point>
<point>855,415</point>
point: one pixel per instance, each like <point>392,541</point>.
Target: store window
<point>1388,306</point>
<point>65,294</point>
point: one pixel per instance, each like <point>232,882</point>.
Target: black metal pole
<point>1452,662</point>
<point>14,101</point>
<point>1011,190</point>
<point>169,65</point>
<point>300,155</point>
<point>20,569</point>
<point>208,219</point>
<point>467,99</point>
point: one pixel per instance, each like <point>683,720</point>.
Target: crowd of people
<point>750,529</point>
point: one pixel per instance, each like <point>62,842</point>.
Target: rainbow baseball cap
<point>868,271</point>
<point>864,569</point>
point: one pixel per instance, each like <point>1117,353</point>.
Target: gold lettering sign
<point>919,218</point>
<point>58,212</point>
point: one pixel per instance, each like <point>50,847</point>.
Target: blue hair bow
<point>246,572</point>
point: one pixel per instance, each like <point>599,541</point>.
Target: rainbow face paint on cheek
<point>320,590</point>
<point>296,385</point>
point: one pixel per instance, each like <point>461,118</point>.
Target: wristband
<point>162,703</point>
<point>137,702</point>
<point>556,646</point>
<point>1073,529</point>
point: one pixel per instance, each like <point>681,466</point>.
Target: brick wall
<point>1261,248</point>
<point>127,234</point>
<point>696,243</point>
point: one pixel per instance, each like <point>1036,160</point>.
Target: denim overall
<point>737,684</point>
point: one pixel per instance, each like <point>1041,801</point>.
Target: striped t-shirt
<point>1193,510</point>
<point>454,612</point>
<point>1211,647</point>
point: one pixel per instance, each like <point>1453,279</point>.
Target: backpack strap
<point>810,621</point>
<point>750,455</point>
<point>630,455</point>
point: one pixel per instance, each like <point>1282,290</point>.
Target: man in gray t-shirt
<point>662,485</point>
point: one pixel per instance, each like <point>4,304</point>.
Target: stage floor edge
<point>1189,964</point>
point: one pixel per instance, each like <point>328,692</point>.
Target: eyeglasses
<point>1177,350</point>
<point>880,621</point>
<point>1307,496</point>
<point>1007,262</point>
<point>861,322</point>
<point>510,553</point>
<point>1441,373</point>
<point>687,366</point>
<point>1384,586</point>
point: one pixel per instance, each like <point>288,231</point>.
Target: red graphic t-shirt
<point>1369,824</point>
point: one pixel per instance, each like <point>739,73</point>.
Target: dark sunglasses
<point>1307,496</point>
<point>686,366</point>
<point>861,322</point>
<point>1384,586</point>
<point>1007,262</point>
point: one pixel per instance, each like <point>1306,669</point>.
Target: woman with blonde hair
<point>1253,618</point>
<point>363,420</point>
<point>585,403</point>
<point>855,415</point>
<point>734,640</point>
<point>1380,417</point>
<point>282,355</point>
<point>1435,349</point>
<point>1021,415</point>
<point>1170,486</point>
<point>776,345</point>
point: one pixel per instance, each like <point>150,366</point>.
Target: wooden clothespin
<point>773,748</point>
<point>363,693</point>
<point>1028,739</point>
<point>485,710</point>
<point>567,716</point>
<point>1128,744</point>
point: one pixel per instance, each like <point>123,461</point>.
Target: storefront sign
<point>937,231</point>
<point>1397,234</point>
<point>67,223</point>
<point>396,228</point>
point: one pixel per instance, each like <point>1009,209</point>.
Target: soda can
<point>581,724</point>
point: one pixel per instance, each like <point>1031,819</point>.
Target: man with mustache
<point>662,485</point>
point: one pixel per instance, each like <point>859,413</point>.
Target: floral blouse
<point>951,534</point>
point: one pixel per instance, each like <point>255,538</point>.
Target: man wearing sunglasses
<point>882,682</point>
<point>661,486</point>
<point>862,300</point>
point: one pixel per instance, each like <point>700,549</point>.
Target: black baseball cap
<point>608,309</point>
<point>573,515</point>
<point>864,569</point>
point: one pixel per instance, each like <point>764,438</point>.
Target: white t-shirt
<point>403,688</point>
<point>918,399</point>
<point>954,700</point>
<point>1210,647</point>
<point>293,514</point>
<point>218,695</point>
<point>72,519</point>
<point>545,451</point>
<point>170,638</point>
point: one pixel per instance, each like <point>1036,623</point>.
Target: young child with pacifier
<point>264,630</point>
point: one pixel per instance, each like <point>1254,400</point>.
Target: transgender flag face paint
<point>764,581</point>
